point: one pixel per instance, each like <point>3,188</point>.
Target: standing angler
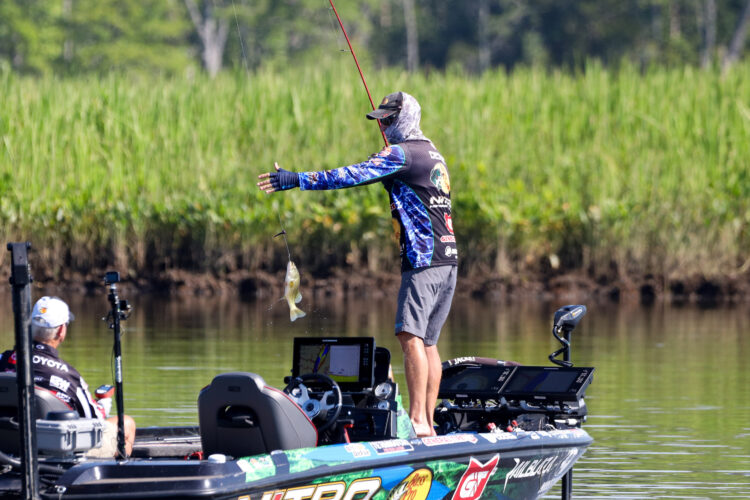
<point>416,178</point>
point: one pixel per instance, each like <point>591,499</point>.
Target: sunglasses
<point>388,120</point>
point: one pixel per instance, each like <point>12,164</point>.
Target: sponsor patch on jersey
<point>439,202</point>
<point>439,177</point>
<point>448,222</point>
<point>63,397</point>
<point>448,239</point>
<point>59,383</point>
<point>50,363</point>
<point>437,156</point>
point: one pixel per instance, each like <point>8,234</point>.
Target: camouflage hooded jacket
<point>416,177</point>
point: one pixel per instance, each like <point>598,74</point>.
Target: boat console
<point>344,386</point>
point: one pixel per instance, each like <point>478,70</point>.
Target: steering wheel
<point>316,404</point>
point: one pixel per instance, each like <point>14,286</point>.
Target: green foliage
<point>603,170</point>
<point>83,36</point>
<point>106,35</point>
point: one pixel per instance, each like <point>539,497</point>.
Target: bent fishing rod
<point>359,68</point>
<point>361,75</point>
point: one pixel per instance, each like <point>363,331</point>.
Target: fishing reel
<point>121,309</point>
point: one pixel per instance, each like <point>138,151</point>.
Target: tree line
<point>69,37</point>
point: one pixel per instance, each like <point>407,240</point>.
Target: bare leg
<point>129,428</point>
<point>416,371</point>
<point>434,374</point>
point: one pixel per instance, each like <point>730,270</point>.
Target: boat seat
<point>239,415</point>
<point>382,369</point>
<point>44,403</point>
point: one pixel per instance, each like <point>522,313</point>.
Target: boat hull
<point>463,466</point>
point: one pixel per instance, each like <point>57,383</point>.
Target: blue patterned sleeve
<point>387,163</point>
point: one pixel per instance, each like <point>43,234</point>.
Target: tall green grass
<point>606,172</point>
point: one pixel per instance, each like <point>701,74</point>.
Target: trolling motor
<point>120,312</point>
<point>566,319</point>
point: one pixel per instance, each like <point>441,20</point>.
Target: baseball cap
<point>390,105</point>
<point>50,312</point>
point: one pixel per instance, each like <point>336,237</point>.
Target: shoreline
<point>341,283</point>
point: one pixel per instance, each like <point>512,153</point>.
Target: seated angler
<point>49,327</point>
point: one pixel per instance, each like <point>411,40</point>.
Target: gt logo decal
<point>475,479</point>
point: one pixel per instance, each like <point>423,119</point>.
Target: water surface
<point>669,406</point>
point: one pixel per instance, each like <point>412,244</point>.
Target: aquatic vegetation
<point>604,171</point>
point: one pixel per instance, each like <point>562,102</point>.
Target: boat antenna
<point>20,280</point>
<point>120,312</point>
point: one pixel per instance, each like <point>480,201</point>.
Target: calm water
<point>669,406</point>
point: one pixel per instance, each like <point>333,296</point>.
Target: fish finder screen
<point>547,382</point>
<point>540,380</point>
<point>340,362</point>
<point>349,361</point>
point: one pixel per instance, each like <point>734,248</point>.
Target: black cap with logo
<point>390,105</point>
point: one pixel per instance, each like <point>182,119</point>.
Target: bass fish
<point>291,291</point>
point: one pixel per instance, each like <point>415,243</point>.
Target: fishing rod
<point>361,75</point>
<point>359,68</point>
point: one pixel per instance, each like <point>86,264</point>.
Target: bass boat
<point>336,431</point>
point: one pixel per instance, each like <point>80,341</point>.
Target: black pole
<point>20,280</point>
<point>566,352</point>
<point>111,279</point>
<point>567,480</point>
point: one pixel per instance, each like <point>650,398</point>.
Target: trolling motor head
<point>566,319</point>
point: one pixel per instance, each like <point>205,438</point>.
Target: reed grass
<point>604,171</point>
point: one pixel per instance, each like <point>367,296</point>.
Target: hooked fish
<point>291,291</point>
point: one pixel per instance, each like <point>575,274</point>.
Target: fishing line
<point>283,233</point>
<point>356,62</point>
<point>247,72</point>
<point>333,31</point>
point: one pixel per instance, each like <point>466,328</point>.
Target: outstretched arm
<point>280,180</point>
<point>387,163</point>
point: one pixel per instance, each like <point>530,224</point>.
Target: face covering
<point>406,126</point>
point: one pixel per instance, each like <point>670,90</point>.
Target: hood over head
<point>406,126</point>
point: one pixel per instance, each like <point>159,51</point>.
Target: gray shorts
<point>424,301</point>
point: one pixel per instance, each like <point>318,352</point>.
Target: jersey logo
<point>55,365</point>
<point>439,177</point>
<point>59,383</point>
<point>436,156</point>
<point>448,222</point>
